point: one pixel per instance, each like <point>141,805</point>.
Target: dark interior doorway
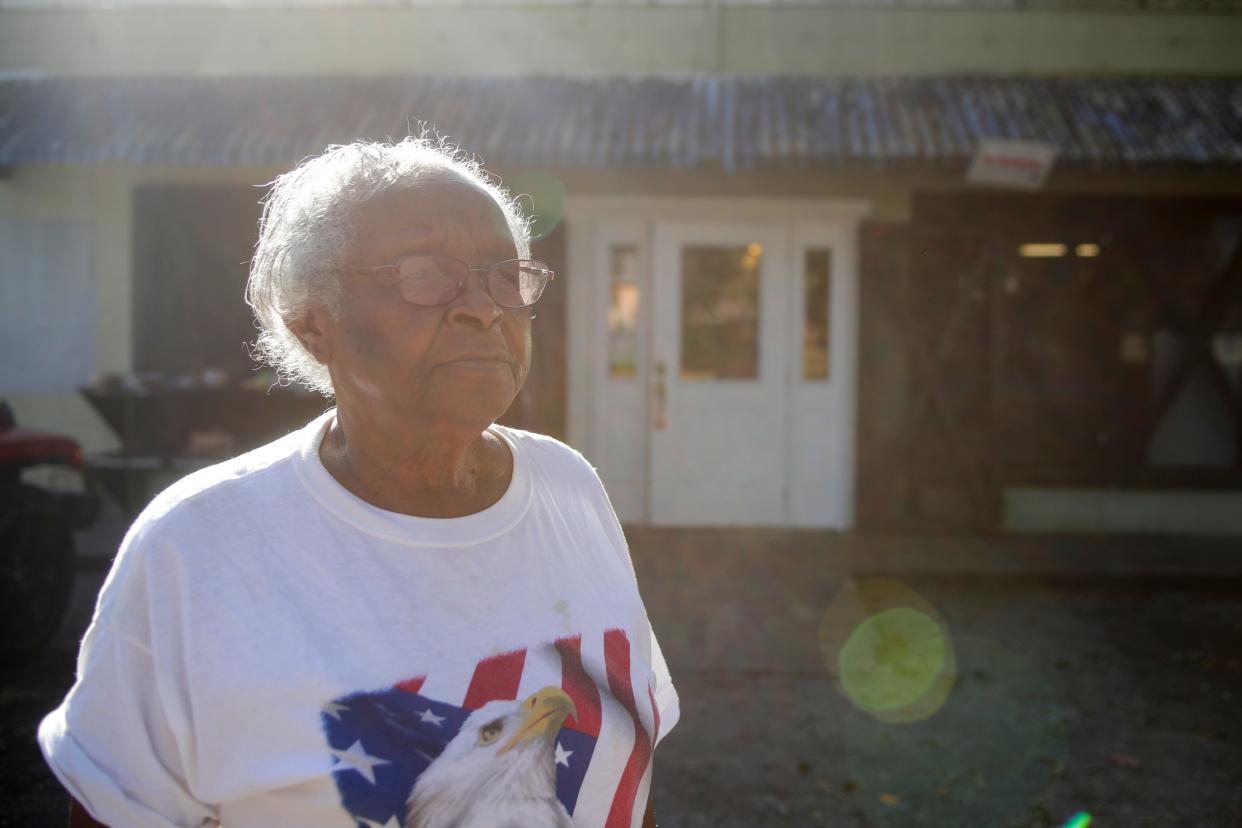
<point>1048,341</point>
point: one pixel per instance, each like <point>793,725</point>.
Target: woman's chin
<point>467,421</point>
<point>472,396</point>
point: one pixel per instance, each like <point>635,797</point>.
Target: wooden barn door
<point>923,427</point>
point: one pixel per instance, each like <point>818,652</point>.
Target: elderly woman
<point>401,614</point>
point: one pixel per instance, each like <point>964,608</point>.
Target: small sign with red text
<point>1022,165</point>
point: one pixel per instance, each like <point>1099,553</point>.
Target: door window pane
<point>720,312</point>
<point>817,293</point>
<point>623,310</point>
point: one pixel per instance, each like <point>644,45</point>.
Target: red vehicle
<point>37,558</point>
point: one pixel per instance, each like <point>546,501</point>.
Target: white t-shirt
<point>269,649</point>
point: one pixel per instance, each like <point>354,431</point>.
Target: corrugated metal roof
<point>616,122</point>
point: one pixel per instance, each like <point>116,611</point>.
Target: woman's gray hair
<point>307,231</point>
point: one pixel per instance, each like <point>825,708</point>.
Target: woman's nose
<point>475,304</point>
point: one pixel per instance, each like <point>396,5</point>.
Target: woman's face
<point>453,369</point>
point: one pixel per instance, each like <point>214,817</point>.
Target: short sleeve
<point>110,743</point>
<point>666,699</point>
<point>121,742</point>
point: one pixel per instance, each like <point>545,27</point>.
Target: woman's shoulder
<point>223,489</point>
<point>552,461</point>
<point>184,529</point>
<point>548,454</point>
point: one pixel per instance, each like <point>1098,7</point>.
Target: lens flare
<point>542,198</point>
<point>891,659</point>
<point>1079,820</point>
<point>889,650</point>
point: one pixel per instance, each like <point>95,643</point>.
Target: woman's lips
<point>480,363</point>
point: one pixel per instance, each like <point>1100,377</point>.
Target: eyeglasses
<point>429,280</point>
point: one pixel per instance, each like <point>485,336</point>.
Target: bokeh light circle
<point>889,650</point>
<point>892,659</point>
<point>541,197</point>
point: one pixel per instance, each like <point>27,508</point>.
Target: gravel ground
<point>1073,691</point>
<point>1116,696</point>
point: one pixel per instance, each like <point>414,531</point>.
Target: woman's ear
<point>312,331</point>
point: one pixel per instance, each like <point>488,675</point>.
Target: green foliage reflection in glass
<point>623,309</point>
<point>816,317</point>
<point>720,312</point>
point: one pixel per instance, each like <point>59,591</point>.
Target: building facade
<point>780,301</point>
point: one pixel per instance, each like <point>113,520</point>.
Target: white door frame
<point>594,223</point>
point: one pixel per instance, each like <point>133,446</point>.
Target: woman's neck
<point>403,473</point>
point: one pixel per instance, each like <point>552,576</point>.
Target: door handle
<point>660,398</point>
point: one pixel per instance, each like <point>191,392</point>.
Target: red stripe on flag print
<point>495,678</point>
<point>617,660</point>
<point>579,686</point>
<point>412,685</point>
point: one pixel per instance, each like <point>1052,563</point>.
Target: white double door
<point>719,435</point>
<point>723,378</point>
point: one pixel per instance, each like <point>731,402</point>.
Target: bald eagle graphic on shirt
<point>494,758</point>
<point>499,771</point>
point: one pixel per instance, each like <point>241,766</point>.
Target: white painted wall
<point>579,39</point>
<point>56,224</point>
<point>1113,511</point>
<point>47,305</point>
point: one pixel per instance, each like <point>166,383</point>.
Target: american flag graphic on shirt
<point>382,741</point>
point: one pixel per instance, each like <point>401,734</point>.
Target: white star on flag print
<point>391,823</point>
<point>355,758</point>
<point>579,715</point>
<point>428,716</point>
